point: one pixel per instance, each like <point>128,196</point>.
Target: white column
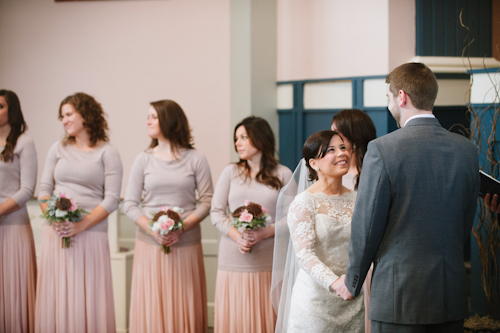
<point>253,48</point>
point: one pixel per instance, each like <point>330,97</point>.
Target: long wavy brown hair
<point>93,116</point>
<point>17,124</point>
<point>174,126</point>
<point>359,129</point>
<point>262,138</point>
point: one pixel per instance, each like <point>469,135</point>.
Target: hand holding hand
<point>59,227</point>
<point>341,289</point>
<point>492,204</point>
<point>173,237</point>
<point>243,244</point>
<point>67,229</point>
<point>162,239</point>
<point>255,236</point>
<point>73,229</point>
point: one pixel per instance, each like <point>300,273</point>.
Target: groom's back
<point>433,175</point>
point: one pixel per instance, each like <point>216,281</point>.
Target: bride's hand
<point>341,289</point>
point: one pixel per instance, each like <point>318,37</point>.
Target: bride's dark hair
<point>262,138</point>
<point>316,147</point>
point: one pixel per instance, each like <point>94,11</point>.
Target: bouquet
<point>61,209</point>
<point>166,220</point>
<point>250,216</point>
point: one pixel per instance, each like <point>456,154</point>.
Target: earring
<point>316,169</point>
<point>354,146</point>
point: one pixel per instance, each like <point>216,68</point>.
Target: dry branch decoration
<point>487,231</point>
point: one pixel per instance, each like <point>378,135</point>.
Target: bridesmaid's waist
<point>19,217</point>
<point>188,238</point>
<point>231,259</point>
<point>99,227</point>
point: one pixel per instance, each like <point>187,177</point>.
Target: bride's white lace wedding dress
<point>320,229</point>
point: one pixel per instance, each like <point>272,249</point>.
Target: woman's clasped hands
<point>249,238</point>
<point>169,239</point>
<point>67,229</point>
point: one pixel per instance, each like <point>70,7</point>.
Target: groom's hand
<point>341,289</point>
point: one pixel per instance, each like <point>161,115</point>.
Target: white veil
<point>285,267</point>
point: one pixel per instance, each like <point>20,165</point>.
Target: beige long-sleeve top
<point>169,183</point>
<point>230,193</point>
<point>18,179</point>
<point>91,178</point>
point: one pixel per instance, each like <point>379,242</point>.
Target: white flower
<point>155,226</point>
<point>178,210</point>
<point>269,219</point>
<point>61,213</point>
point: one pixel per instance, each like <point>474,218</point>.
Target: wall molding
<point>456,64</point>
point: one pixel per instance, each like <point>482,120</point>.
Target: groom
<point>414,212</point>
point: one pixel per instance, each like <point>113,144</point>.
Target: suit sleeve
<point>369,218</point>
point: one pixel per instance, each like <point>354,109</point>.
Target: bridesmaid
<point>357,130</point>
<point>169,290</point>
<point>242,293</point>
<point>74,291</point>
<point>18,168</point>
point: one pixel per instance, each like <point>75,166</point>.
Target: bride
<point>320,227</point>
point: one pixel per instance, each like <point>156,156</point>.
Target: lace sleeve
<point>301,221</point>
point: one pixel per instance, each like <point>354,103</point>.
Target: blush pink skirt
<point>243,302</point>
<point>17,278</point>
<point>74,290</point>
<point>169,292</point>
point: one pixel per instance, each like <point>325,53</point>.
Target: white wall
<point>336,38</point>
<point>402,32</point>
<point>125,54</point>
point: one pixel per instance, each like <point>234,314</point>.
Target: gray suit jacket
<point>414,212</point>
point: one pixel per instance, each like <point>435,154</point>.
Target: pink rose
<point>166,223</point>
<point>73,205</point>
<point>264,210</point>
<point>246,202</point>
<point>164,208</point>
<point>62,195</point>
<point>245,216</point>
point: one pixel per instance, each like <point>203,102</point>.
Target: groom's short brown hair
<point>418,81</point>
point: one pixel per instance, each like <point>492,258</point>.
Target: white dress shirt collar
<point>419,116</point>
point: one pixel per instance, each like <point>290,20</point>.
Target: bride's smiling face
<point>335,163</point>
